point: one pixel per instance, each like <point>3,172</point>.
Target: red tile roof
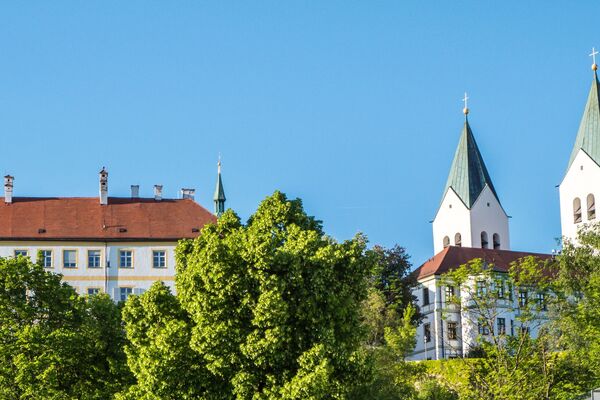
<point>83,218</point>
<point>453,257</point>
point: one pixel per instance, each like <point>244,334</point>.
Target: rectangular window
<point>92,291</point>
<point>126,259</point>
<point>522,298</point>
<point>425,296</point>
<point>22,253</point>
<point>69,258</point>
<point>481,289</point>
<point>484,329</point>
<point>46,258</point>
<point>124,293</point>
<point>452,334</point>
<point>427,333</point>
<point>93,259</point>
<point>449,294</point>
<point>512,327</point>
<point>159,259</point>
<point>501,326</point>
<point>540,299</point>
<point>500,289</point>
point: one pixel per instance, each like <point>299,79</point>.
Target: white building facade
<point>118,246</point>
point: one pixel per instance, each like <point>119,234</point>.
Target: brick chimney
<point>103,187</point>
<point>135,191</point>
<point>158,192</point>
<point>8,188</point>
<point>188,193</point>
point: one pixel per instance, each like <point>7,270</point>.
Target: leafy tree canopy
<point>269,309</point>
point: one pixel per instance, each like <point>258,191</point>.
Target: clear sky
<point>355,107</point>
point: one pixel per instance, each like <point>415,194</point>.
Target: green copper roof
<point>468,174</point>
<point>588,136</point>
<point>219,192</point>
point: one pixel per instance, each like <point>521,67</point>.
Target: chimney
<point>158,192</point>
<point>135,191</point>
<point>103,187</point>
<point>8,188</point>
<point>188,193</point>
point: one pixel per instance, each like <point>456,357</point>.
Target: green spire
<point>468,174</point>
<point>219,197</point>
<point>588,136</point>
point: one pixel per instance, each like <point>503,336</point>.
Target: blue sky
<point>355,107</point>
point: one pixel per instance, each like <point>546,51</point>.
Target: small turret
<point>219,197</point>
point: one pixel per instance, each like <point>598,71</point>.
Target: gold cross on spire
<point>219,164</point>
<point>593,55</point>
<point>465,99</point>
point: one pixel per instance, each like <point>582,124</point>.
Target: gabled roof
<point>453,257</point>
<point>83,218</point>
<point>468,173</point>
<point>588,136</point>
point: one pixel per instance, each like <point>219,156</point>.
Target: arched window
<point>496,239</point>
<point>446,241</point>
<point>457,240</point>
<point>576,210</point>
<point>591,207</point>
<point>484,240</point>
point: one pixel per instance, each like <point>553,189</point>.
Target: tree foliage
<point>55,344</point>
<point>529,362</point>
<point>264,310</point>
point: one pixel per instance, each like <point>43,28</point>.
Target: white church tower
<point>581,183</point>
<point>470,214</point>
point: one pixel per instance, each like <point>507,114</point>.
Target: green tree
<point>390,292</point>
<point>264,310</point>
<point>528,363</point>
<point>578,322</point>
<point>55,344</point>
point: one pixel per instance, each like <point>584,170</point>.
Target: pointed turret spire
<point>219,197</point>
<point>468,173</point>
<point>588,135</point>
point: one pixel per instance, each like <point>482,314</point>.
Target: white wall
<point>452,217</point>
<point>486,215</point>
<point>140,277</point>
<point>582,178</point>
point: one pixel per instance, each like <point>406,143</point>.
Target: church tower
<point>581,183</point>
<point>470,214</point>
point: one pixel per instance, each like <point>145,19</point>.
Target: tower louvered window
<point>576,210</point>
<point>484,240</point>
<point>591,207</point>
<point>457,240</point>
<point>446,241</point>
<point>496,239</point>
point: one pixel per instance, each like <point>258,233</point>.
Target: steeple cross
<point>465,99</point>
<point>593,55</point>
